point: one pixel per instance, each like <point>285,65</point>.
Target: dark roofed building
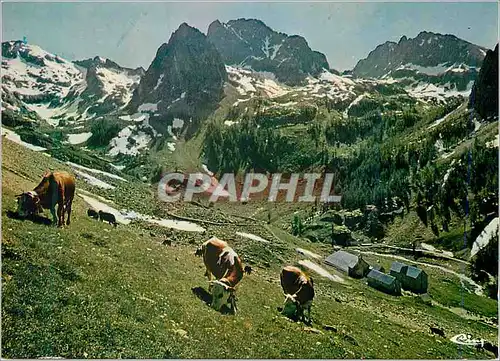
<point>416,280</point>
<point>384,282</point>
<point>411,278</point>
<point>349,263</point>
<point>398,270</point>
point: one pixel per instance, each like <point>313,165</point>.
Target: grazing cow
<point>222,262</point>
<point>55,188</point>
<point>298,289</point>
<point>108,217</point>
<point>92,213</point>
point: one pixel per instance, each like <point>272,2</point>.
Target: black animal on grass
<point>492,348</point>
<point>108,217</point>
<point>92,213</point>
<point>437,331</point>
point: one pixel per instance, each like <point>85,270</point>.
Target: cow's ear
<point>312,282</point>
<point>47,173</point>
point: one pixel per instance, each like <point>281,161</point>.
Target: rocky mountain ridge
<point>251,43</point>
<point>445,62</point>
<point>185,79</point>
<point>191,76</point>
<point>34,80</point>
<point>484,95</point>
<point>427,50</point>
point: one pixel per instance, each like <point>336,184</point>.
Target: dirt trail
<point>126,217</point>
<point>308,253</point>
<point>424,251</point>
<point>252,236</point>
<point>321,271</point>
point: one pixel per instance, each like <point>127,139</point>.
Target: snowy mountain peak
<point>251,43</point>
<point>32,75</point>
<point>427,49</point>
<point>48,85</point>
<point>99,61</point>
<point>30,53</point>
<point>185,79</point>
<point>427,65</point>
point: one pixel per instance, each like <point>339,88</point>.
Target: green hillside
<point>92,291</point>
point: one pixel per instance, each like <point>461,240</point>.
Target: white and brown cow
<point>299,291</point>
<point>222,262</point>
<point>56,188</point>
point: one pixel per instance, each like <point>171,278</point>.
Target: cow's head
<point>222,294</point>
<point>199,251</point>
<point>291,306</point>
<point>28,203</point>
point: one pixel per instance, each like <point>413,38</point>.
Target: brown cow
<point>55,188</point>
<point>222,262</point>
<point>298,289</point>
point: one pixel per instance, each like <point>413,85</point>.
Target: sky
<point>131,32</point>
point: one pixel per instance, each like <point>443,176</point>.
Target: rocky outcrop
<point>484,96</point>
<point>109,64</point>
<point>109,86</point>
<point>442,60</point>
<point>184,81</point>
<point>427,50</point>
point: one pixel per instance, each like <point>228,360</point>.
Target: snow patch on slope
<point>16,138</point>
<point>116,84</point>
<point>427,70</point>
<point>425,91</point>
<point>121,144</point>
<point>354,102</point>
<point>56,76</point>
<point>160,80</point>
<point>93,180</point>
<point>340,81</point>
<point>252,236</point>
<point>79,138</point>
<point>249,82</point>
<point>93,170</point>
<point>485,237</point>
<point>148,107</point>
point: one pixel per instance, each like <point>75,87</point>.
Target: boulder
<point>332,217</point>
<point>318,232</point>
<point>341,236</point>
<point>353,219</point>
